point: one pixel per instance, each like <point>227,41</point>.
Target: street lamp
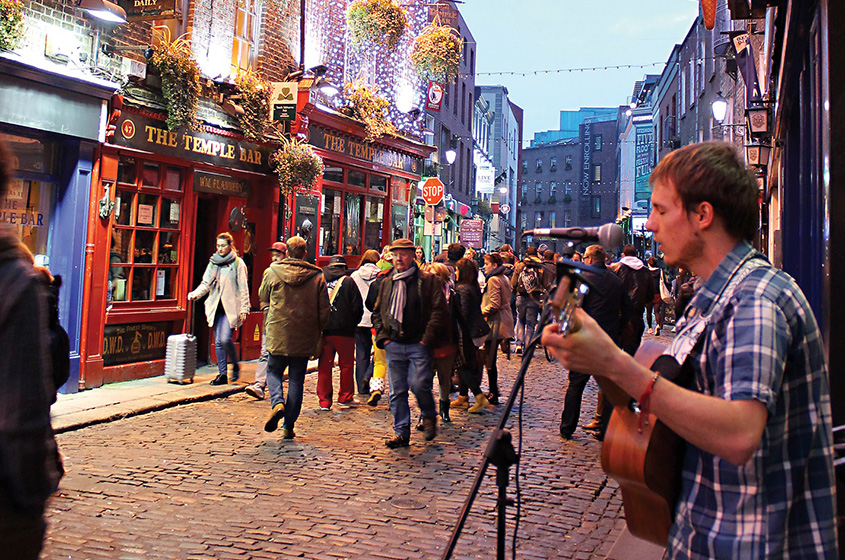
<point>719,107</point>
<point>451,155</point>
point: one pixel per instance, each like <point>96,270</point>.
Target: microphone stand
<point>501,453</point>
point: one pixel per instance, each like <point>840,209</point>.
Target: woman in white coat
<point>226,307</point>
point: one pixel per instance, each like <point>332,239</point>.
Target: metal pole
<point>302,35</point>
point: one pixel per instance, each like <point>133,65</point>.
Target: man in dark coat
<point>609,304</point>
<point>409,315</point>
<point>347,307</point>
<point>639,285</point>
<point>295,292</point>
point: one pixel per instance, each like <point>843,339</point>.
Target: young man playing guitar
<point>757,476</point>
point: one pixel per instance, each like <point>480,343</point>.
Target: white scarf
<point>397,298</point>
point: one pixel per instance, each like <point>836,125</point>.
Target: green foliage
<point>180,81</point>
<point>370,109</point>
<point>296,165</point>
<point>254,95</point>
<point>437,53</point>
<point>378,21</point>
<point>11,24</point>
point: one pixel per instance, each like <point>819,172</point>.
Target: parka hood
<point>334,271</point>
<point>295,271</point>
<point>368,271</point>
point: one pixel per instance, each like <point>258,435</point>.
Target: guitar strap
<point>693,325</point>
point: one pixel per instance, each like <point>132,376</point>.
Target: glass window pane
<point>144,241</point>
<point>333,174</point>
<point>352,229</point>
<point>173,179</point>
<point>330,222</point>
<point>147,210</point>
<point>149,176</point>
<point>26,209</point>
<point>357,179</point>
<point>142,280</point>
<point>164,278</point>
<point>373,225</point>
<point>121,240</point>
<point>400,222</point>
<point>126,171</point>
<point>123,208</point>
<point>171,213</point>
<point>378,183</point>
<point>167,247</point>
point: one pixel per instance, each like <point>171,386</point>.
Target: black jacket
<point>638,284</point>
<point>347,308</point>
<point>607,302</point>
<point>426,316</point>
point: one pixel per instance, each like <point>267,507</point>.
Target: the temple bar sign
<point>320,138</point>
<point>142,10</point>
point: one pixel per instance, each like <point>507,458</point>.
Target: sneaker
<point>347,404</point>
<point>220,380</point>
<point>481,403</point>
<point>254,391</point>
<point>273,422</point>
<point>674,329</point>
<point>398,441</point>
<point>430,428</point>
<point>650,330</point>
<point>461,403</point>
<point>375,396</point>
<point>325,408</point>
<point>236,372</point>
<point>287,433</point>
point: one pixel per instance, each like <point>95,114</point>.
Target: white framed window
<point>244,50</point>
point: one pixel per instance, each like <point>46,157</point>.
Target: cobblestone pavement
<point>204,480</point>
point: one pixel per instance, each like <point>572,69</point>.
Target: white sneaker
<point>255,390</point>
<point>674,329</point>
<point>650,330</point>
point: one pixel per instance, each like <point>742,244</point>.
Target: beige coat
<point>496,307</point>
<point>227,284</point>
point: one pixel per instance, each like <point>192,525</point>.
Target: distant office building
<point>570,124</point>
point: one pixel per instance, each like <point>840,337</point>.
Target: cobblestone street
<point>204,480</point>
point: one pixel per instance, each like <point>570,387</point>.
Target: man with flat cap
<point>409,317</point>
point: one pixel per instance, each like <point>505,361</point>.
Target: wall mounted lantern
<point>757,117</point>
<point>103,10</point>
<point>757,154</point>
<point>719,107</point>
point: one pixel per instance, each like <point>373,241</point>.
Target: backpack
<point>531,283</point>
<point>57,338</point>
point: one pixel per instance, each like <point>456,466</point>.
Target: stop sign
<point>432,191</point>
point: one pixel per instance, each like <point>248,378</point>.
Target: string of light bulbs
<point>699,59</point>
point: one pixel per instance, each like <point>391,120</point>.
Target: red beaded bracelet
<point>645,400</point>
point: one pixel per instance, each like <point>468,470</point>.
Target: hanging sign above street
<point>283,101</point>
<point>504,209</point>
<point>432,191</point>
<point>435,96</point>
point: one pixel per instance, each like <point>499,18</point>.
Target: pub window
<point>378,183</point>
<point>144,253</point>
<point>357,179</point>
<point>243,43</point>
<point>330,222</point>
<point>333,173</point>
<point>352,225</point>
<point>374,219</point>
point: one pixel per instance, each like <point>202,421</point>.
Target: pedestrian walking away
<point>757,475</point>
<point>639,285</point>
<point>446,348</point>
<point>347,308</point>
<point>297,300</point>
<point>409,315</point>
<point>278,252</point>
<point>364,277</point>
<point>227,305</point>
<point>30,467</point>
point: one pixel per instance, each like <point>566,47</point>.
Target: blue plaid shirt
<point>764,345</point>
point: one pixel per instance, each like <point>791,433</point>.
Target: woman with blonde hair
<point>227,305</point>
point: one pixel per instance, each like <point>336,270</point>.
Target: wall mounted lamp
<point>757,154</point>
<point>757,117</point>
<point>103,10</point>
<point>719,107</point>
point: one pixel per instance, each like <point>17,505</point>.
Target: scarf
<point>495,271</point>
<point>223,261</point>
<point>397,297</point>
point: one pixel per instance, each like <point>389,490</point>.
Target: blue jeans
<point>261,368</point>
<point>296,367</point>
<point>363,363</point>
<point>223,344</point>
<point>528,311</point>
<point>409,366</point>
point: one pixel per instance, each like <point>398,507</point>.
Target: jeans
<point>409,366</point>
<point>223,344</point>
<point>363,363</point>
<point>528,311</point>
<point>261,368</point>
<point>345,348</point>
<point>296,367</point>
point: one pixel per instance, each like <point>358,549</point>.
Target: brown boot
<point>461,402</point>
<point>481,403</point>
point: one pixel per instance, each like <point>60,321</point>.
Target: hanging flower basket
<point>296,165</point>
<point>254,93</point>
<point>378,21</point>
<point>180,81</point>
<point>11,24</point>
<point>368,107</point>
<point>437,53</point>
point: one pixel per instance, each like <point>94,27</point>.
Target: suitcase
<point>180,360</point>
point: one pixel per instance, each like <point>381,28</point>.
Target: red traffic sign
<point>432,191</point>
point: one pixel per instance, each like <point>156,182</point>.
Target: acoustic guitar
<point>646,457</point>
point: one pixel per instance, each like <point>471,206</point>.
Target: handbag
<point>665,294</point>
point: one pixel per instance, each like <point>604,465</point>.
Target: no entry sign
<point>432,191</point>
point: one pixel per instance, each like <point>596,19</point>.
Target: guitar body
<point>646,457</point>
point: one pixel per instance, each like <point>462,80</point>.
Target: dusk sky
<point>539,35</point>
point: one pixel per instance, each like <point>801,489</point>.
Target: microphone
<point>608,235</point>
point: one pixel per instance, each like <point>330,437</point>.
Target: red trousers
<point>344,346</point>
